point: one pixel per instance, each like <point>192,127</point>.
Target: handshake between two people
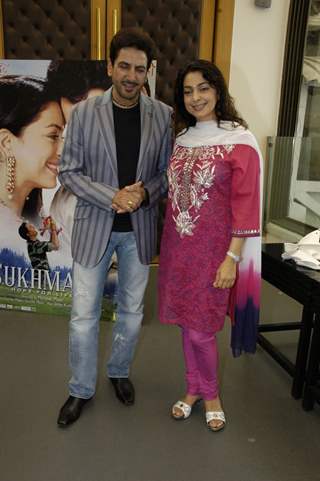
<point>129,198</point>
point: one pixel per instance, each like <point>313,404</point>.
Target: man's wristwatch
<point>234,256</point>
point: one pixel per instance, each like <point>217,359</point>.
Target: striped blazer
<point>88,168</point>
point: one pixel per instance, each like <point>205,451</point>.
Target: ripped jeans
<point>88,284</point>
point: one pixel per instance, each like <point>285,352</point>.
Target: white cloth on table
<point>306,252</point>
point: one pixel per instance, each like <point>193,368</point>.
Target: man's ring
<point>130,203</point>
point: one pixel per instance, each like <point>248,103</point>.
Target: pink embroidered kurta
<point>213,195</point>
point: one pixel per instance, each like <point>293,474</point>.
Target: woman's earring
<point>11,175</point>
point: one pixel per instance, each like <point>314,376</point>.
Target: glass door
<point>304,198</point>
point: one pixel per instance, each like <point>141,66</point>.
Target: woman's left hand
<point>226,274</point>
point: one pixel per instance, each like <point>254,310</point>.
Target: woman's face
<point>36,149</point>
<point>199,97</point>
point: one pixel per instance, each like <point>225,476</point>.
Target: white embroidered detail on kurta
<point>191,173</point>
<point>246,232</point>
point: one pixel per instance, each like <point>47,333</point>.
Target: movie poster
<point>36,213</point>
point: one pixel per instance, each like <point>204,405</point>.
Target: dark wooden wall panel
<point>174,26</point>
<point>46,29</point>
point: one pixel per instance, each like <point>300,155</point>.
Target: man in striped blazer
<point>114,160</point>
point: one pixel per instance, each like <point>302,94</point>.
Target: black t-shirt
<point>127,128</point>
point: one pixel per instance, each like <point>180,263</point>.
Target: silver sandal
<point>215,415</point>
<point>184,407</point>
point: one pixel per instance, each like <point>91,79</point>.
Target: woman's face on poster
<point>36,149</point>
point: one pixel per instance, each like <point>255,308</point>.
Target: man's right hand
<point>125,201</point>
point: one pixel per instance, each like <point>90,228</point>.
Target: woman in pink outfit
<point>210,250</point>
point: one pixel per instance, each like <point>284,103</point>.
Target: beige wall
<point>256,64</point>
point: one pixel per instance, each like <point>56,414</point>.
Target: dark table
<point>312,385</point>
<point>303,285</point>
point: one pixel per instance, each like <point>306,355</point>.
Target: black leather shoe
<point>124,389</point>
<point>71,410</point>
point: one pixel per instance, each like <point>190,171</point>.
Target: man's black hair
<point>23,231</point>
<point>73,79</point>
<point>132,37</point>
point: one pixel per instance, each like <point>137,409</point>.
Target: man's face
<point>32,231</point>
<point>128,73</point>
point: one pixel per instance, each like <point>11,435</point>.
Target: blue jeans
<point>88,286</point>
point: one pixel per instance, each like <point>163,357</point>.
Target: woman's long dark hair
<point>224,109</point>
<point>22,99</point>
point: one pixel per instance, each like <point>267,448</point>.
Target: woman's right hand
<point>226,274</point>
